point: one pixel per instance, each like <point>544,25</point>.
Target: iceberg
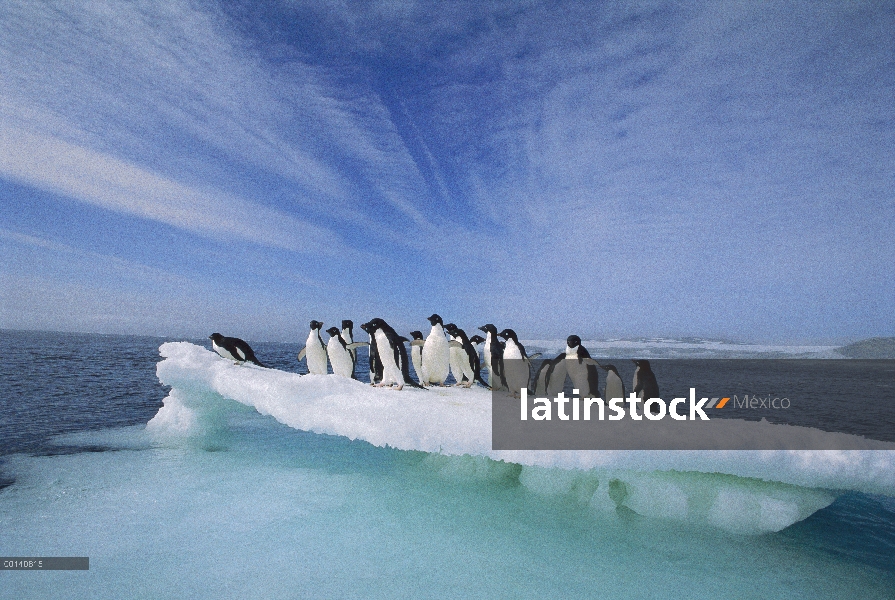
<point>738,491</point>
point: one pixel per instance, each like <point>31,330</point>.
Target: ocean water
<point>221,497</point>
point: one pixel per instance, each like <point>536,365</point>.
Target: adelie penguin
<point>615,387</point>
<point>416,355</point>
<point>492,356</point>
<point>348,336</point>
<point>465,364</point>
<point>314,350</point>
<point>516,363</point>
<point>233,349</point>
<point>551,376</point>
<point>339,353</point>
<point>392,354</point>
<point>581,368</point>
<point>436,353</point>
<point>373,356</point>
<point>645,384</point>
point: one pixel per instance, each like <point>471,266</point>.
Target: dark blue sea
<point>279,513</point>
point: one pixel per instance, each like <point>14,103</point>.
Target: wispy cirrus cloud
<point>89,176</point>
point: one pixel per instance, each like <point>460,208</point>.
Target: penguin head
<point>573,341</point>
<point>373,325</point>
<point>417,335</point>
<point>489,328</point>
<point>643,364</point>
<point>450,328</point>
<point>435,320</point>
<point>316,325</point>
<point>333,331</point>
<point>608,368</point>
<point>476,339</point>
<point>347,324</point>
<point>216,338</point>
<point>508,334</point>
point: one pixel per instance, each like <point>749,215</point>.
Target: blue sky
<point>717,169</point>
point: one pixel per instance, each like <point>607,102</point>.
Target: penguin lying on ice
<point>233,349</point>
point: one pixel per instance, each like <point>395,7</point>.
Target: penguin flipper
<point>418,343</point>
<point>354,345</point>
<point>301,354</point>
<point>455,344</point>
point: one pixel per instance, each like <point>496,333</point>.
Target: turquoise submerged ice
<point>258,483</point>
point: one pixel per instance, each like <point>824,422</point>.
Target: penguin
<point>392,354</point>
<point>615,387</point>
<point>314,350</point>
<point>373,356</point>
<point>492,355</point>
<point>436,353</point>
<point>476,340</point>
<point>465,356</point>
<point>550,377</point>
<point>339,353</point>
<point>516,363</point>
<point>583,373</point>
<point>645,385</point>
<point>348,336</point>
<point>416,355</point>
<point>233,349</point>
<point>457,356</point>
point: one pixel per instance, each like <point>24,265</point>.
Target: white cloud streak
<point>73,171</point>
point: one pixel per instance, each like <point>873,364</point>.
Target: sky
<point>612,169</point>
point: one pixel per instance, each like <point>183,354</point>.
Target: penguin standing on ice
<point>416,355</point>
<point>373,356</point>
<point>492,355</point>
<point>436,353</point>
<point>551,376</point>
<point>645,384</point>
<point>615,387</point>
<point>581,368</point>
<point>339,353</point>
<point>348,336</point>
<point>467,357</point>
<point>233,349</point>
<point>392,354</point>
<point>516,363</point>
<point>314,350</point>
<point>457,356</point>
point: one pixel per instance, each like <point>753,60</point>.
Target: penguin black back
<point>400,352</point>
<point>375,365</point>
<point>473,355</point>
<point>645,384</point>
<point>236,347</point>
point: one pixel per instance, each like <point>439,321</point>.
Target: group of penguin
<point>437,355</point>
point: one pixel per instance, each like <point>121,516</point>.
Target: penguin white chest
<point>339,358</point>
<point>515,367</point>
<point>614,388</point>
<point>436,356</point>
<point>222,351</point>
<point>391,371</point>
<point>315,354</point>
